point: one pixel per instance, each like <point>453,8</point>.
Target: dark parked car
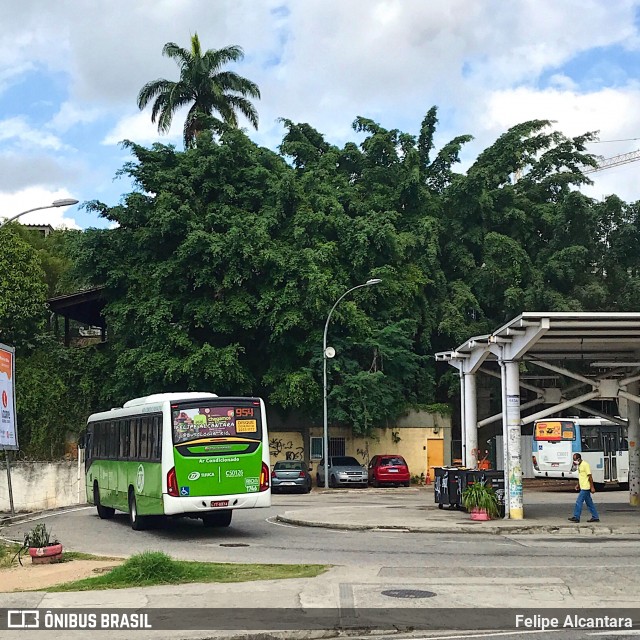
<point>343,471</point>
<point>389,469</point>
<point>290,475</point>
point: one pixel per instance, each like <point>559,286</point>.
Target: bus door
<point>609,438</point>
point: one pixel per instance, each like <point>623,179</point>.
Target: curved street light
<point>64,202</point>
<point>329,353</point>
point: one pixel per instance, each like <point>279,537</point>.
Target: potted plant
<point>41,548</point>
<point>480,501</point>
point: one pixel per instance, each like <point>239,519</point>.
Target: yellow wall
<point>408,439</point>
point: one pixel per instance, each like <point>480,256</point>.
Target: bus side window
<point>113,440</point>
<point>144,439</point>
<point>123,432</point>
<point>153,438</point>
<point>133,445</point>
<point>100,440</point>
<point>158,421</point>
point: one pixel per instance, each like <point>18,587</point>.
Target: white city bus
<point>603,444</point>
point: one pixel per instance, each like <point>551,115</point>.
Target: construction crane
<point>607,163</point>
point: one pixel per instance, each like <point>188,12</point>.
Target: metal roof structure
<point>599,352</point>
<point>561,336</point>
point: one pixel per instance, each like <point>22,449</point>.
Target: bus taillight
<point>264,478</point>
<point>172,483</point>
<point>535,463</point>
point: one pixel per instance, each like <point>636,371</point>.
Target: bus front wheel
<point>103,512</point>
<point>138,523</point>
<point>217,518</point>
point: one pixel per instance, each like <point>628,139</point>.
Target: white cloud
<point>18,131</point>
<point>615,110</point>
<point>12,204</point>
<point>323,62</point>
<point>139,129</point>
<point>70,115</point>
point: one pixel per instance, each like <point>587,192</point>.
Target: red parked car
<point>388,469</point>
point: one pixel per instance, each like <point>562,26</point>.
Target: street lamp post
<point>325,443</point>
<point>64,202</point>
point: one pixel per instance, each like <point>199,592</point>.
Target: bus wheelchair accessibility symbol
<point>184,491</point>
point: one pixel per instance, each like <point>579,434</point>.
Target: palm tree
<point>203,85</point>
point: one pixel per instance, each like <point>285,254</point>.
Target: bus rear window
<point>554,431</point>
<point>192,422</point>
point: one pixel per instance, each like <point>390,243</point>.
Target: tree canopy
<point>227,257</point>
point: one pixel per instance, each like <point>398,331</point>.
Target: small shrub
<point>38,537</point>
<point>152,567</point>
<point>480,496</point>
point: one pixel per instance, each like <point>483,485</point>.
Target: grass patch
<point>8,553</point>
<point>155,568</point>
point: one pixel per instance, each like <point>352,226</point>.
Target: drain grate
<point>408,593</point>
<point>234,544</point>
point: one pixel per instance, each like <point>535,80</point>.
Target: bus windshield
<point>208,420</point>
<point>555,431</point>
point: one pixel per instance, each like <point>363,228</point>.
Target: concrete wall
<point>42,485</point>
<point>409,438</point>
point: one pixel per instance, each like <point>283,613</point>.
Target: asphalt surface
<point>580,568</point>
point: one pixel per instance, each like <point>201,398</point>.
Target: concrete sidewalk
<point>545,511</point>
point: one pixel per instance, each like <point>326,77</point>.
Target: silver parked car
<point>343,471</point>
<point>290,475</point>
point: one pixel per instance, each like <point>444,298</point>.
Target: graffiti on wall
<point>278,446</point>
<point>363,454</point>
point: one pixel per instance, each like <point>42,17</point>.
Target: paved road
<point>255,536</point>
<point>458,570</point>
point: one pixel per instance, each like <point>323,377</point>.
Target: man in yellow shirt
<point>586,488</point>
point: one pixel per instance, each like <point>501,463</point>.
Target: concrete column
<point>470,421</point>
<point>505,437</point>
<point>633,411</point>
<point>516,511</point>
<point>463,433</point>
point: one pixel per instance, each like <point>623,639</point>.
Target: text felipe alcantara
<point>572,621</point>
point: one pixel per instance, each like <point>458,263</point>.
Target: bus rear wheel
<point>217,518</point>
<point>103,512</point>
<point>138,522</point>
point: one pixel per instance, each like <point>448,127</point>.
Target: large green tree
<point>22,289</point>
<point>213,95</point>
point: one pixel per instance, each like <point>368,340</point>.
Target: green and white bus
<point>179,454</point>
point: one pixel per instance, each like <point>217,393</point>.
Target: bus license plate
<point>219,503</point>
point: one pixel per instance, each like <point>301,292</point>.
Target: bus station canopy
<point>607,336</point>
<point>598,352</point>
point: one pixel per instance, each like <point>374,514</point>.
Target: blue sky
<point>70,73</point>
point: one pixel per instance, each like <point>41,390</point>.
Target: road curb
<point>582,530</point>
<point>6,520</point>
